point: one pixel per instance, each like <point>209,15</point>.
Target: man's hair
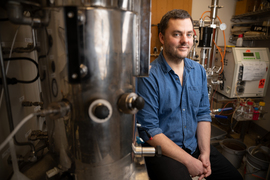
<point>173,14</point>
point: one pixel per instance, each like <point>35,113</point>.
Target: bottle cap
<point>256,109</point>
<point>240,35</point>
<point>250,103</point>
<point>261,103</point>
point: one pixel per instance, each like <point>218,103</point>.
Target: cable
<point>27,118</point>
<point>204,13</point>
<point>16,130</point>
<point>14,80</point>
<point>10,54</point>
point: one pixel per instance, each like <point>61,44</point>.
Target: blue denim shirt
<point>171,108</point>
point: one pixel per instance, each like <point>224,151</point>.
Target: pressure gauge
<point>54,88</point>
<point>223,26</point>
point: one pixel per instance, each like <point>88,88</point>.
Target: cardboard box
<point>245,6</point>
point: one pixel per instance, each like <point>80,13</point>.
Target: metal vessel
<point>90,52</point>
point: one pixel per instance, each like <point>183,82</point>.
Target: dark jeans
<point>165,168</point>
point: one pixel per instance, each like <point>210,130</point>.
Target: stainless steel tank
<point>89,56</point>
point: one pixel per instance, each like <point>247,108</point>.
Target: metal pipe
<point>15,15</point>
<point>213,14</point>
<point>7,99</point>
<point>29,48</point>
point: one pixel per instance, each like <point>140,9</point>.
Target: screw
<point>70,14</point>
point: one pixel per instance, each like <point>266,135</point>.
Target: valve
<point>100,111</point>
<point>130,103</point>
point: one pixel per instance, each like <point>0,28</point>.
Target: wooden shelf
<point>263,12</point>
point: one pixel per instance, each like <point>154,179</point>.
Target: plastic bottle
<point>256,114</point>
<point>261,109</point>
<point>239,41</point>
<point>249,111</point>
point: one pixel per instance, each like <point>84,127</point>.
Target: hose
<point>14,80</point>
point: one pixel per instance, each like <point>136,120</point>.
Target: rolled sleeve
<point>204,107</point>
<point>148,116</point>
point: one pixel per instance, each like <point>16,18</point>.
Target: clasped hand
<point>199,167</point>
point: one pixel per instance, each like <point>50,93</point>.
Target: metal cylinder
<point>98,136</point>
<point>205,36</point>
<point>214,8</point>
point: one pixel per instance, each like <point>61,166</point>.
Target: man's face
<point>178,39</point>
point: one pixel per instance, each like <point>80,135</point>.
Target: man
<point>176,112</point>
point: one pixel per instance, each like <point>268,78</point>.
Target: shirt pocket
<point>194,93</point>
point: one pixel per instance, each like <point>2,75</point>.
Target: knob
<point>101,111</point>
<point>158,151</point>
<point>138,103</point>
<point>196,56</point>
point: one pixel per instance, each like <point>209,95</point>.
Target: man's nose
<point>183,39</point>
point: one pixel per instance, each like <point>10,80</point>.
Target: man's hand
<point>206,164</point>
<point>196,168</point>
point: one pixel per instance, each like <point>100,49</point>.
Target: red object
<point>240,35</point>
<point>248,50</point>
<point>261,83</point>
<point>249,103</point>
<point>150,138</point>
<point>256,114</point>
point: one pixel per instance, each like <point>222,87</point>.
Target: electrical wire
<point>22,122</point>
<point>10,54</point>
<point>27,118</point>
<point>28,59</point>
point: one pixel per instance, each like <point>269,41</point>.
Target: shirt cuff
<point>205,117</point>
<point>151,132</point>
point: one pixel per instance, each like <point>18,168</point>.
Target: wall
<point>159,8</point>
<point>23,70</point>
<point>225,14</point>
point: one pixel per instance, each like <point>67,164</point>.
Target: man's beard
<point>173,55</point>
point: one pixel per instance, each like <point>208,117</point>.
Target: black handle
<point>101,111</point>
<point>158,151</point>
<point>138,103</point>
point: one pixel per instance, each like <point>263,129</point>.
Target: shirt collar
<point>165,66</point>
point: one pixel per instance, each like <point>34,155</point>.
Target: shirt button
<point>176,79</point>
<point>185,126</point>
<point>183,109</point>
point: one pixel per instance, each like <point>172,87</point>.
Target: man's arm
<point>172,150</point>
<point>203,136</point>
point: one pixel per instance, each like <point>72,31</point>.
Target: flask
<point>256,114</point>
<point>261,109</point>
<point>249,111</point>
<point>240,111</point>
<point>239,41</point>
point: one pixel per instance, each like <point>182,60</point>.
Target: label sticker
<point>261,83</point>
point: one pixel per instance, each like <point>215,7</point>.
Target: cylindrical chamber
<point>108,45</point>
<point>205,36</point>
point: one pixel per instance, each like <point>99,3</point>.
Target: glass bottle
<point>261,109</point>
<point>249,111</point>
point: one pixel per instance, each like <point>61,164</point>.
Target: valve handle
<point>138,103</point>
<point>101,111</point>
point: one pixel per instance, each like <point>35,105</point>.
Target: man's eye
<point>189,35</point>
<point>176,34</point>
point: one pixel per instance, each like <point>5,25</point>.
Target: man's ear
<point>161,38</point>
